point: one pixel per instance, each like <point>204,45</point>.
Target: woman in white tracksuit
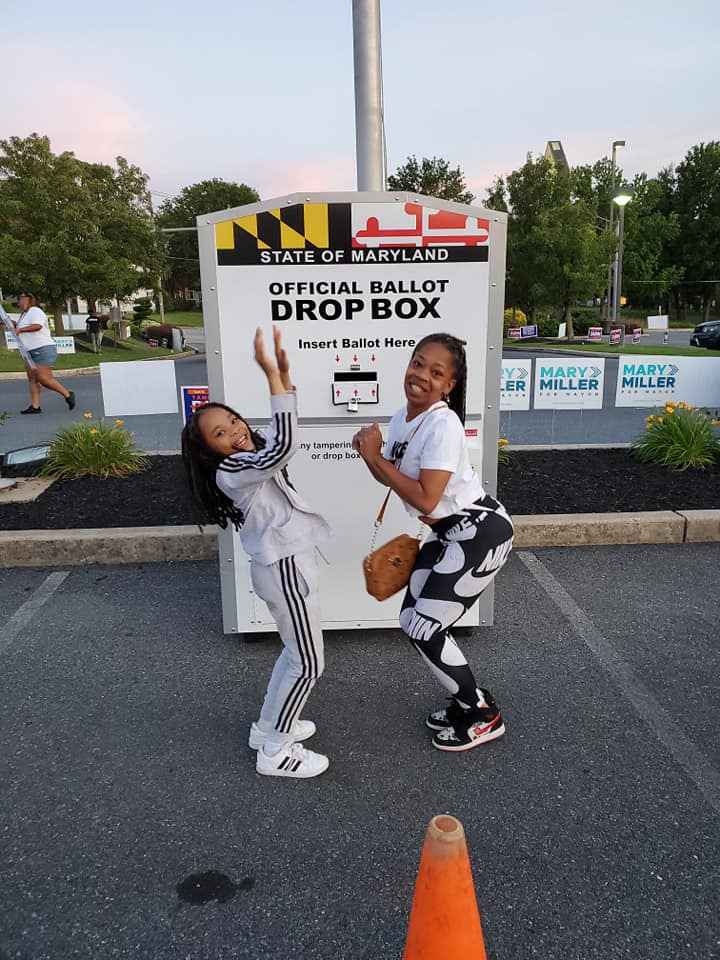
<point>239,475</point>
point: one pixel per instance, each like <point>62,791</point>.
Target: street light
<point>622,199</point>
<point>616,144</point>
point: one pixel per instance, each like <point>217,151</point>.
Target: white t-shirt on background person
<point>436,443</point>
<point>38,338</point>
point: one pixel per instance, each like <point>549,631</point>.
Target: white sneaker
<point>302,730</point>
<point>292,761</point>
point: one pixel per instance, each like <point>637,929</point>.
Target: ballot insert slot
<point>353,387</point>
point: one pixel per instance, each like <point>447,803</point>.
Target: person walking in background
<point>33,331</point>
<point>94,328</point>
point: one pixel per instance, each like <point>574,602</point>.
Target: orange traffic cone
<point>444,920</point>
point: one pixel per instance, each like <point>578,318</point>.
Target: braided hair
<point>456,348</point>
<point>201,464</point>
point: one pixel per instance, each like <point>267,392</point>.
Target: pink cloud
<point>68,102</point>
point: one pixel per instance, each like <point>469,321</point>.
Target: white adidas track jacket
<point>278,522</point>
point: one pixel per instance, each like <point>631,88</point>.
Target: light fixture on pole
<point>621,199</point>
<point>615,145</point>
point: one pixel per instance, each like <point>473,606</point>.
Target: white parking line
<point>27,611</point>
<point>697,766</point>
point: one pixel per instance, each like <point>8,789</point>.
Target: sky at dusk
<point>263,92</point>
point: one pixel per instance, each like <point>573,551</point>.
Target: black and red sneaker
<point>476,726</point>
<point>445,716</point>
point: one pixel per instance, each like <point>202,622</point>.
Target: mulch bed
<point>571,481</point>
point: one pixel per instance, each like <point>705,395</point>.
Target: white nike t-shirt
<point>436,442</point>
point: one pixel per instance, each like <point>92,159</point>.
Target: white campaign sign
<point>645,381</point>
<point>515,383</point>
<point>572,384</point>
<point>63,344</point>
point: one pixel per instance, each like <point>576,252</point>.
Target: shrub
<point>503,453</point>
<point>93,450</point>
<point>679,437</point>
<point>142,309</point>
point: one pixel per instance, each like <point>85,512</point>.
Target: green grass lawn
<point>10,361</point>
<point>181,318</point>
<point>670,350</point>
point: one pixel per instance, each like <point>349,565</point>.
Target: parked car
<point>706,335</point>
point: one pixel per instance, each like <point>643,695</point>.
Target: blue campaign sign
<point>192,398</point>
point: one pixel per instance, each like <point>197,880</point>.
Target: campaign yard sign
<point>652,381</point>
<point>191,399</point>
<point>515,384</point>
<point>63,344</point>
<point>595,334</point>
<point>616,335</point>
<point>563,385</point>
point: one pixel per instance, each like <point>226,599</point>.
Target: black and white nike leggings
<point>290,589</point>
<point>454,566</point>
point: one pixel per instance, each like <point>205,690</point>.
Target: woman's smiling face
<point>224,432</point>
<point>429,376</point>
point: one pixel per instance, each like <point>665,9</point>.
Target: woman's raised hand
<point>262,357</point>
<point>281,357</point>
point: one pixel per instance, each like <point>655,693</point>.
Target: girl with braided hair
<point>238,475</point>
<point>471,534</point>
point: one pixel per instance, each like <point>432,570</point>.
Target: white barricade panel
<point>138,387</point>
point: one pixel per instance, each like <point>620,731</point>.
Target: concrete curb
<point>88,371</point>
<point>63,548</point>
<point>118,545</point>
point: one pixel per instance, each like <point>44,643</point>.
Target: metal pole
<point>618,274</point>
<point>614,278</point>
<point>368,95</point>
<point>610,226</point>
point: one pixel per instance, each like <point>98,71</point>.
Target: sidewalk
<point>592,826</point>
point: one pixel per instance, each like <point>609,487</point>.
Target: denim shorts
<point>44,356</point>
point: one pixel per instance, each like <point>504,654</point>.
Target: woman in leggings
<point>425,461</point>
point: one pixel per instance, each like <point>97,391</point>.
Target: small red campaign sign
<point>192,398</point>
<point>616,335</point>
<point>595,333</point>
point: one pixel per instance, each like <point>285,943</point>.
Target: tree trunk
<point>59,324</point>
<point>707,300</point>
<point>567,318</point>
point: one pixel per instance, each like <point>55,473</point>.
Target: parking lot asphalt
<point>593,825</point>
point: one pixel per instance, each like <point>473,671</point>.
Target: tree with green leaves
<point>431,178</point>
<point>71,228</point>
<point>208,196</point>
<point>697,202</point>
<point>650,265</point>
<point>556,252</point>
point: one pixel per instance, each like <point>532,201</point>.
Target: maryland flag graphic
<point>302,226</point>
<point>352,233</point>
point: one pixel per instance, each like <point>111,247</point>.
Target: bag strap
<point>381,513</point>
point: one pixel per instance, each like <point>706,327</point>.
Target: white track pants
<point>290,589</point>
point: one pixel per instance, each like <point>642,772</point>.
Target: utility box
<point>354,281</point>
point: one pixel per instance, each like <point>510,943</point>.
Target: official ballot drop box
<point>354,281</point>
